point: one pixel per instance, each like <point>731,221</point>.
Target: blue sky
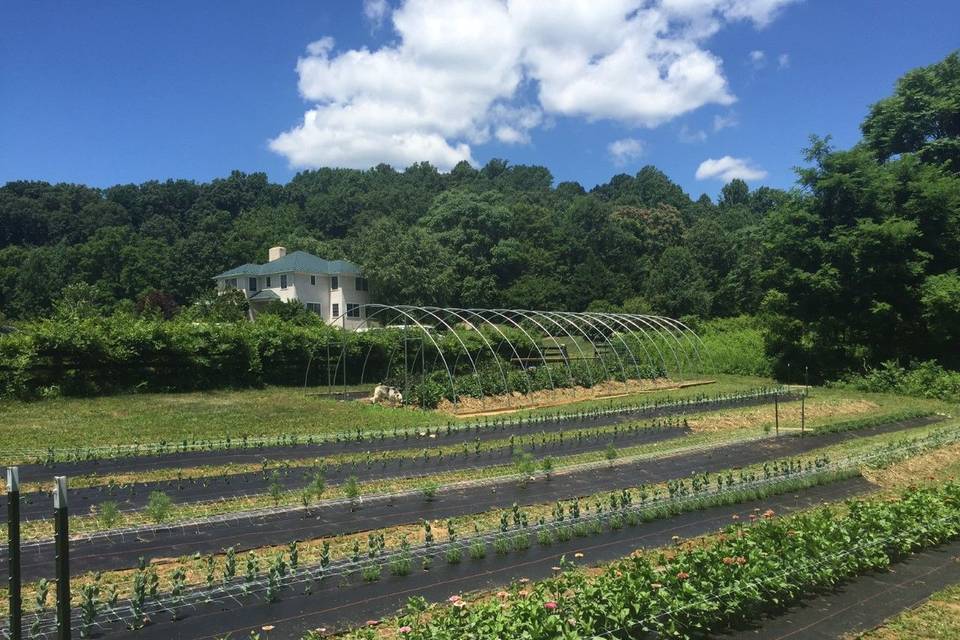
<point>111,92</point>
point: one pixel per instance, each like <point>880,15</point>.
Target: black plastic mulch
<point>418,439</point>
<point>339,603</point>
<point>36,505</point>
<point>281,528</point>
<point>863,603</point>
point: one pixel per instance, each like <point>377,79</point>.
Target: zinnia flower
<point>551,605</point>
<point>405,629</point>
<point>454,599</point>
<point>683,575</point>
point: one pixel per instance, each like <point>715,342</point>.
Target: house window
<point>362,284</point>
<point>232,283</point>
<point>315,307</point>
<point>283,281</point>
<point>334,282</point>
<point>336,310</point>
<point>353,310</point>
<point>268,282</point>
<point>253,284</point>
<point>313,281</point>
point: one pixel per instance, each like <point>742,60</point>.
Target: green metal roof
<point>264,296</point>
<point>296,262</point>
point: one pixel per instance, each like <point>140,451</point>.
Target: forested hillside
<point>856,265</point>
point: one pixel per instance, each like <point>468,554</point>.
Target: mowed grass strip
<point>66,423</point>
<point>936,619</point>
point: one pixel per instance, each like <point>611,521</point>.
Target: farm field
<point>339,516</point>
<point>214,415</point>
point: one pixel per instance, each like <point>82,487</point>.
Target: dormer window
<point>283,281</point>
<point>334,282</point>
<point>253,284</point>
<point>313,281</point>
<point>268,285</point>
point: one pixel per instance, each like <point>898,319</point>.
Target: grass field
<point>171,417</point>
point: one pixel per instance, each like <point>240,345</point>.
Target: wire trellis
<point>241,588</point>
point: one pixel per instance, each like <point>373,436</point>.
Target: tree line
<point>856,265</point>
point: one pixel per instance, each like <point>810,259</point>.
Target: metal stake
<point>13,553</point>
<point>776,412</point>
<point>62,546</point>
<point>802,413</point>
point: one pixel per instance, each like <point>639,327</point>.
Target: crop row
<point>234,576</point>
<point>645,409</point>
<point>748,571</point>
<point>570,519</point>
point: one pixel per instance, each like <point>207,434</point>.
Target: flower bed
<point>747,571</point>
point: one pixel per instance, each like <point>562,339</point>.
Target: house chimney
<point>277,252</point>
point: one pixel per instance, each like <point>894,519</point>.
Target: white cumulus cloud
<point>728,168</point>
<point>624,150</point>
<point>721,122</point>
<point>783,60</point>
<point>375,11</point>
<point>691,136</point>
<point>464,72</point>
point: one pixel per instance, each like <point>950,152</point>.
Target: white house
<point>334,289</point>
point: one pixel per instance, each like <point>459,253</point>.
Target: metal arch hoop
<point>687,333</point>
<point>504,338</point>
<point>463,345</point>
<point>590,320</point>
<point>665,329</point>
<point>600,318</point>
<point>503,376</point>
<point>526,315</point>
<point>550,316</point>
<point>631,329</point>
<point>678,333</point>
<point>658,331</point>
<point>535,326</point>
<point>532,340</point>
<point>386,307</point>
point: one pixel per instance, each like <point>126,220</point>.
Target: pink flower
<point>503,595</point>
<point>551,605</point>
<point>683,575</point>
<point>372,623</point>
<point>405,629</point>
<point>454,599</point>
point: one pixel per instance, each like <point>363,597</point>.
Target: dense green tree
<point>922,116</point>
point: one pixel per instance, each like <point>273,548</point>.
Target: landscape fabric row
<point>38,504</point>
<point>411,438</point>
<point>119,552</point>
<point>342,603</point>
